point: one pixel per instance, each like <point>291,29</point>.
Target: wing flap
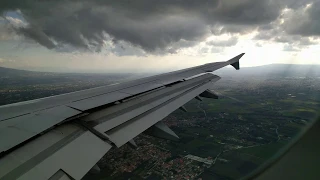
<point>97,101</point>
<point>68,154</point>
<point>142,88</point>
<point>27,126</point>
<point>130,129</point>
<point>114,116</point>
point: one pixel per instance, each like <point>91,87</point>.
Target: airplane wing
<point>64,136</point>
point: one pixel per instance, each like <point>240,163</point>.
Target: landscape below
<point>258,112</point>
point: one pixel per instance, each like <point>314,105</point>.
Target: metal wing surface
<point>64,136</point>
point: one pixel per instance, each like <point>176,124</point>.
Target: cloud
<point>249,12</point>
<point>224,43</point>
<point>304,21</point>
<point>37,35</point>
<point>216,50</point>
<point>204,50</point>
<point>16,22</point>
<point>297,25</point>
<point>279,35</point>
<point>290,48</point>
<point>157,27</point>
<point>295,39</point>
<point>6,61</point>
<point>258,44</point>
<point>6,32</point>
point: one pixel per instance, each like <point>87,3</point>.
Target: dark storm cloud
<point>295,4</point>
<point>249,12</point>
<point>37,35</point>
<point>150,24</point>
<point>155,26</point>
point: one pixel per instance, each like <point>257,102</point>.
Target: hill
<point>16,72</point>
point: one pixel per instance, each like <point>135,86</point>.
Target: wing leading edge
<point>45,138</point>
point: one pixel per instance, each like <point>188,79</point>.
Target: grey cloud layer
<point>305,21</point>
<point>300,24</point>
<point>155,26</point>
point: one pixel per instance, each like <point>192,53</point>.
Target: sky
<point>154,36</point>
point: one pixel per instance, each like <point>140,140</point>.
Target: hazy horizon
<point>228,69</point>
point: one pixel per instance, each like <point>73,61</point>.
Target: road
<point>215,159</point>
<point>204,111</point>
<point>277,127</point>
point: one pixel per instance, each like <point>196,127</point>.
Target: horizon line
<point>88,71</point>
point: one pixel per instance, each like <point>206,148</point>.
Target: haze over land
<point>20,85</point>
<point>276,70</point>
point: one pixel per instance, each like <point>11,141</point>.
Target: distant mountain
<point>15,77</point>
<point>15,72</point>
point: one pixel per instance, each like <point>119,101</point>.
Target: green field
<point>264,152</point>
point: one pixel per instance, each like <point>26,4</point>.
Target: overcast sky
<point>154,35</point>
